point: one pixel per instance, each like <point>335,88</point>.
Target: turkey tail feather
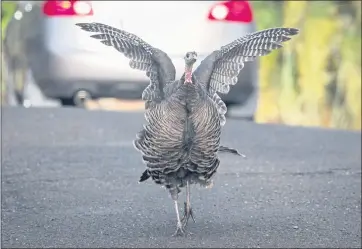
<point>145,175</point>
<point>226,149</point>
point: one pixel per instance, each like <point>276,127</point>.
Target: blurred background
<point>315,80</point>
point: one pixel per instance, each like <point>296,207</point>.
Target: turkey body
<point>182,138</point>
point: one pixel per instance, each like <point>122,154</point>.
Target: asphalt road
<point>70,179</point>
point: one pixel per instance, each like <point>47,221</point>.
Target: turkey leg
<point>187,210</point>
<point>179,230</point>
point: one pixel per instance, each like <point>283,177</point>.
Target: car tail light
<point>67,8</point>
<point>232,11</point>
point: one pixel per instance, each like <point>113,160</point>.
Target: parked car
<point>68,65</point>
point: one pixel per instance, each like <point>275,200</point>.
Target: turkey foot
<point>187,209</point>
<point>180,231</point>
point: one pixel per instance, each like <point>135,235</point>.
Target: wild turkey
<point>181,140</point>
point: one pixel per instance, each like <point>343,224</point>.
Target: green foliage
<point>315,79</point>
<point>8,8</point>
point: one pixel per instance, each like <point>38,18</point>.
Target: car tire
<point>12,98</point>
<point>67,101</point>
<point>240,112</point>
<point>232,115</point>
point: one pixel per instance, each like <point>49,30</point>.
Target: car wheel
<point>240,112</point>
<point>249,118</point>
<point>231,113</point>
<point>12,98</point>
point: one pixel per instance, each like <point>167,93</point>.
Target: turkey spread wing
<point>156,63</point>
<point>221,68</point>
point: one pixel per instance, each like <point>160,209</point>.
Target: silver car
<point>67,64</point>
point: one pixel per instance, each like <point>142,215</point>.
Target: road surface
<point>70,179</point>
